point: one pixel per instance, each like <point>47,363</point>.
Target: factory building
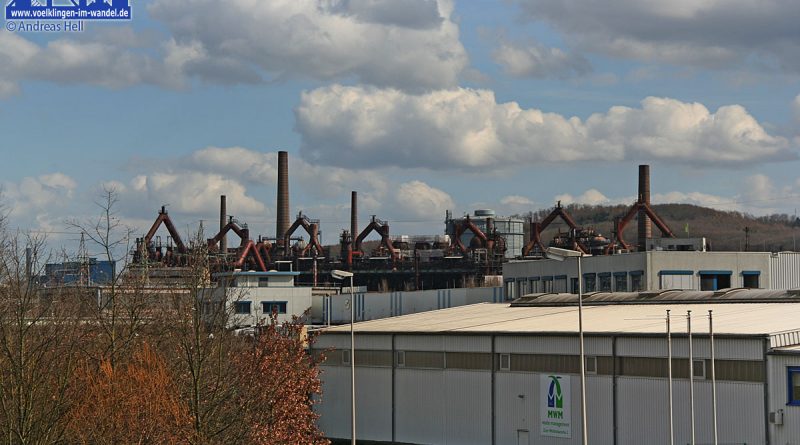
<point>511,230</point>
<point>250,298</point>
<point>655,270</point>
<point>509,374</point>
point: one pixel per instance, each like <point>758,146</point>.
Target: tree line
<point>138,365</point>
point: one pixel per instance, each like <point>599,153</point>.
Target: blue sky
<point>420,105</point>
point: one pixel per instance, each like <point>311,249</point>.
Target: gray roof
<point>734,295</point>
<point>751,319</point>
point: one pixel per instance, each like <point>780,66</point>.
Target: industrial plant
<point>471,251</point>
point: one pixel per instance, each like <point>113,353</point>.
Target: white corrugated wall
<point>789,432</point>
<point>785,270</point>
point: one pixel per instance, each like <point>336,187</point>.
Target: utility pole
<point>746,238</point>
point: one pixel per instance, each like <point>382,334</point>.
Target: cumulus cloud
<point>589,197</point>
<point>468,129</point>
<point>410,44</point>
<point>703,33</point>
<point>538,61</point>
<point>39,195</point>
<point>419,199</point>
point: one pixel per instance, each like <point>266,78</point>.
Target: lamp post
<point>341,275</point>
<point>560,255</point>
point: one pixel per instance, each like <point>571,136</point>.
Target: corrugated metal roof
<point>658,296</point>
<point>738,319</point>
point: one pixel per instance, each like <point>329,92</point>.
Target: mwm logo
<point>555,399</point>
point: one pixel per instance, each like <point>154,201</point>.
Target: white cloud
<point>589,197</point>
<point>419,199</point>
<point>39,196</point>
<point>702,33</point>
<point>516,200</point>
<point>468,129</point>
<point>537,61</point>
<point>411,44</point>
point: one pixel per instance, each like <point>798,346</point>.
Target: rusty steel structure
<point>645,213</point>
<point>535,245</point>
<point>150,249</point>
<point>311,226</point>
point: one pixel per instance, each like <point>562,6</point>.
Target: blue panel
<point>636,272</point>
<point>715,272</point>
<point>560,277</point>
<point>604,274</point>
<point>751,272</point>
<point>676,272</point>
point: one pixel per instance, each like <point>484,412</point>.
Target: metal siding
<point>552,345</point>
<point>789,432</point>
<point>643,405</point>
<point>783,271</point>
<point>469,343</point>
<point>334,408</point>
<point>522,413</point>
<point>724,348</point>
<point>468,416</point>
<point>420,407</point>
<point>419,343</point>
<point>342,341</point>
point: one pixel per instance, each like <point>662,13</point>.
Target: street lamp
<point>560,255</point>
<point>341,275</point>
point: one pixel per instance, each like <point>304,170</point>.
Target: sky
<point>421,106</point>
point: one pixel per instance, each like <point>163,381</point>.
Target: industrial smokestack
<point>223,216</point>
<point>354,215</point>
<point>645,227</point>
<point>283,196</point>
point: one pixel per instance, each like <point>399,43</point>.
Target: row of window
<point>654,367</point>
<point>267,307</point>
<point>709,279</point>
<point>592,282</point>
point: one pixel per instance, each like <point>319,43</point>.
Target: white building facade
<point>484,374</point>
<point>655,270</point>
<point>251,298</point>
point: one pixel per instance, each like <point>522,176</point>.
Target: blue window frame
<point>793,374</point>
<point>270,307</point>
<point>715,279</point>
<point>242,307</point>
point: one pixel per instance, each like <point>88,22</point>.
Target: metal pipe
<point>583,356</point>
<point>691,373</point>
<point>713,374</point>
<point>669,375</point>
<point>352,365</point>
<point>645,227</point>
<point>223,221</point>
<point>282,224</point>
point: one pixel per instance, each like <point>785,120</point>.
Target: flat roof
<point>750,319</point>
<point>255,273</point>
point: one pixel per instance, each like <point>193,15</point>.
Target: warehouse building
<point>655,270</point>
<point>509,374</point>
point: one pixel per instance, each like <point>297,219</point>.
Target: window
<point>750,279</point>
<point>560,283</point>
<point>794,385</point>
<point>242,307</point>
<point>589,282</point>
<point>534,285</point>
<point>263,281</point>
<point>273,307</point>
<point>636,281</point>
<point>401,359</point>
<point>715,279</point>
<point>522,287</point>
<point>591,365</point>
<point>510,289</point>
<point>345,356</point>
<point>505,362</point>
<point>621,282</point>
<point>676,279</point>
<point>605,282</point>
<point>699,369</point>
<point>547,284</point>
<point>574,285</point>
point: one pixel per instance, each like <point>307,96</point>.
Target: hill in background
<point>725,231</point>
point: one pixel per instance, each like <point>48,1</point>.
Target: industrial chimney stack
<point>354,216</point>
<point>283,197</point>
<point>223,216</point>
<point>645,227</point>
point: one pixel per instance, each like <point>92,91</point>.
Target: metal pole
<point>352,365</point>
<point>669,374</point>
<point>713,373</point>
<point>691,373</point>
<point>583,358</point>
